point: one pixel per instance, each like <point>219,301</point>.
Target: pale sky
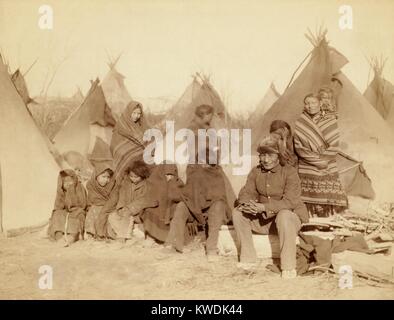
<point>242,44</point>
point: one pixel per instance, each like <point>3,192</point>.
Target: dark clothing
<point>203,199</point>
<point>98,196</point>
<point>286,147</point>
<point>167,194</point>
<point>127,199</point>
<point>313,249</point>
<point>354,243</point>
<point>176,235</point>
<point>132,197</point>
<point>204,186</point>
<point>219,187</point>
<point>132,201</point>
<point>67,222</point>
<point>278,189</point>
<point>68,215</point>
<point>317,251</point>
<point>101,222</point>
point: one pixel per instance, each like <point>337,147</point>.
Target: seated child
<point>99,187</point>
<point>132,202</point>
<point>68,215</point>
<point>327,104</point>
<point>164,185</point>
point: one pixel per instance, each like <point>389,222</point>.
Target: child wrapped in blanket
<point>100,187</point>
<point>327,104</point>
<point>68,215</point>
<point>132,201</point>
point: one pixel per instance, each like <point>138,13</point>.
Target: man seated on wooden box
<point>270,202</point>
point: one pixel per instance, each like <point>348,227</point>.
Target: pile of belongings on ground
<point>358,234</point>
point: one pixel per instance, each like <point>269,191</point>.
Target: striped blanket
<point>127,143</point>
<point>316,141</point>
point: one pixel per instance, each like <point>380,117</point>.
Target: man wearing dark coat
<point>270,202</point>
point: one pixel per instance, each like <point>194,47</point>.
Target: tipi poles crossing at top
<point>296,70</point>
<point>315,41</point>
<point>377,65</point>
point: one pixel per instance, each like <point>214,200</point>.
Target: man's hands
<point>124,212</point>
<point>252,207</point>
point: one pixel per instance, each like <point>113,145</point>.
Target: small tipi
<point>380,92</point>
<point>268,100</point>
<point>200,91</point>
<point>115,91</point>
<point>28,172</point>
<point>77,96</point>
<point>92,118</point>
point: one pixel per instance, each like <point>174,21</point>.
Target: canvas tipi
<point>27,169</point>
<point>268,100</point>
<point>363,133</point>
<point>380,93</point>
<point>92,118</point>
<point>115,91</point>
<point>101,152</point>
<point>20,84</point>
<point>182,113</point>
<point>200,91</point>
<point>77,96</point>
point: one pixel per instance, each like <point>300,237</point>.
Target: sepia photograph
<point>196,150</point>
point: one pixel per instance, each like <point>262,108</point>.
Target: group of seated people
<point>296,177</point>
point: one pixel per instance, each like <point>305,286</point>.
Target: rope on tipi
<point>315,40</point>
<point>31,66</point>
